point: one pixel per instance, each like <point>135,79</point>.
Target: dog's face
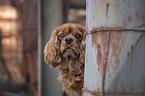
<point>66,41</point>
<point>70,41</point>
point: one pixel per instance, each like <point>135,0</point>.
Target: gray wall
<point>50,12</point>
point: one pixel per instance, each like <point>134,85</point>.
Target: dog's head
<point>66,41</point>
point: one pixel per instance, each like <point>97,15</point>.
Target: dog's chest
<point>72,73</point>
<point>71,65</point>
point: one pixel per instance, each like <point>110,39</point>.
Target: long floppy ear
<point>83,45</point>
<point>52,50</point>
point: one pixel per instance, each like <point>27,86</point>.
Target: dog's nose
<point>68,40</point>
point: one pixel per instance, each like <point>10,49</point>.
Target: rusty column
<point>115,48</point>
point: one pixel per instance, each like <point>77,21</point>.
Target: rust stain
<point>123,91</point>
<point>123,37</point>
<point>99,55</point>
<point>93,17</point>
<point>99,41</point>
<point>115,47</point>
<point>128,54</point>
<point>92,92</point>
<point>132,47</point>
<point>143,25</point>
<point>129,18</point>
<point>105,62</point>
<point>137,15</point>
<point>107,8</point>
<point>98,90</point>
<point>103,2</point>
<point>115,89</point>
<point>115,7</point>
<point>116,25</point>
<point>102,26</point>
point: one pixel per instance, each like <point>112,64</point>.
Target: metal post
<point>115,48</point>
<point>51,17</point>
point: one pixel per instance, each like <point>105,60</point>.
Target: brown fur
<point>70,62</point>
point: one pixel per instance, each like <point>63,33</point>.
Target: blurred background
<point>25,28</point>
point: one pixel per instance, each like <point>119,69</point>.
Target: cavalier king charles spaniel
<point>66,51</point>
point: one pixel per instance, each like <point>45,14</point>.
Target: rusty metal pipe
<point>115,44</point>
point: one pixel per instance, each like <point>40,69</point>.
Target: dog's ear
<point>83,44</point>
<point>52,51</point>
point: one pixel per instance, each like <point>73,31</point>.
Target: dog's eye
<point>61,36</point>
<point>78,36</point>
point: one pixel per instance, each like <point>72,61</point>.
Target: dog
<point>66,51</point>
